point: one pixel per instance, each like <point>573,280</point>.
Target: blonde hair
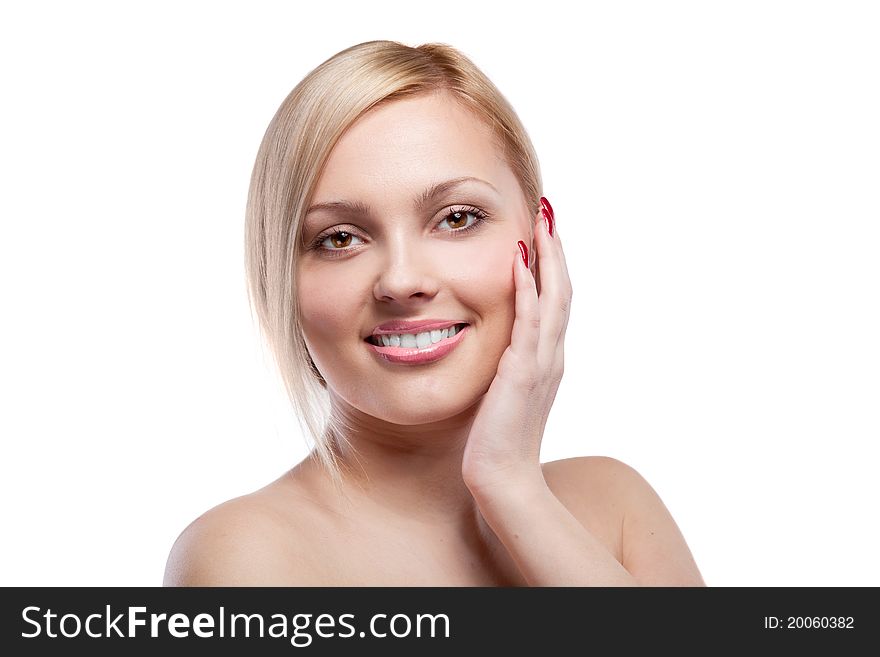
<point>289,163</point>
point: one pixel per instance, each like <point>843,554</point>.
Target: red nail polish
<point>524,250</point>
<point>547,206</point>
<point>548,221</point>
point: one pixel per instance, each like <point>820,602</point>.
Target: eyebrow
<point>420,201</point>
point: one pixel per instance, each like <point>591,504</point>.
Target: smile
<point>405,348</point>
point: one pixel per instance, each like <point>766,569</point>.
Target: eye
<point>457,219</point>
<point>339,240</point>
<point>461,219</point>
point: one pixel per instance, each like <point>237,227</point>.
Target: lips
<point>377,338</point>
<point>416,356</point>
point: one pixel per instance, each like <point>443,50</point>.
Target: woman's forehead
<point>410,143</point>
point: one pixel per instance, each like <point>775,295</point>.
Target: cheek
<point>485,282</point>
<point>486,258</point>
<point>323,305</point>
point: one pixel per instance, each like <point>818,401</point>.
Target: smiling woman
<point>408,276</point>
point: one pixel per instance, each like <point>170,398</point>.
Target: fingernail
<point>547,206</point>
<point>548,221</point>
<point>524,250</point>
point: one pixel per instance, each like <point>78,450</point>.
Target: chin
<point>428,412</point>
<point>411,397</point>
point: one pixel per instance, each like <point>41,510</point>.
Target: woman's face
<point>407,257</point>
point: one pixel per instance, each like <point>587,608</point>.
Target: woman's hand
<point>504,444</point>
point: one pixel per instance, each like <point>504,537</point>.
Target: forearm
<point>548,544</point>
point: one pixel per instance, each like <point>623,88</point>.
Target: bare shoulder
<point>591,486</point>
<point>651,545</point>
<point>587,474</point>
<point>245,541</point>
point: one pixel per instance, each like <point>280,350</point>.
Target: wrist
<point>519,486</point>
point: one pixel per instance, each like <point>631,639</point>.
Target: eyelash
<point>480,215</point>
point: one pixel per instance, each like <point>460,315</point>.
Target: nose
<point>406,272</point>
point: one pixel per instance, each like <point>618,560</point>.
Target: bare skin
<point>296,531</point>
<point>445,485</point>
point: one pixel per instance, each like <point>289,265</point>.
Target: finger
<point>535,269</point>
<point>565,279</point>
<point>557,241</point>
<point>527,321</point>
<point>554,298</point>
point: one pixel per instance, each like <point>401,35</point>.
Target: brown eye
<point>340,239</point>
<point>458,219</point>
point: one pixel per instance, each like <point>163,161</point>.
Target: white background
<point>714,168</point>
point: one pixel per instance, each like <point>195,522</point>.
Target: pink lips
<point>427,354</point>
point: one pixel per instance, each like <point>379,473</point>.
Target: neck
<point>410,471</point>
<point>407,478</point>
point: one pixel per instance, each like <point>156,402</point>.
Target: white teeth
<point>417,340</point>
